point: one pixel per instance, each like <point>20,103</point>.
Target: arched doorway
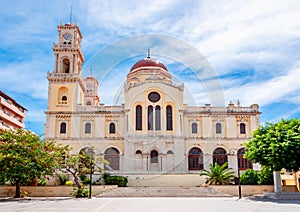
<point>195,159</point>
<point>220,156</point>
<point>243,163</point>
<point>112,155</point>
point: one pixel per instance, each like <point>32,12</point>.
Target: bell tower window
<point>66,65</point>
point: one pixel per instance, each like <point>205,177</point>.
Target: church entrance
<point>112,155</point>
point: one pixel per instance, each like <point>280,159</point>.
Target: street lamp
<point>91,176</point>
<point>240,188</point>
<point>232,153</point>
<point>93,153</point>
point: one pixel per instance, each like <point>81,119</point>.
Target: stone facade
<point>153,131</point>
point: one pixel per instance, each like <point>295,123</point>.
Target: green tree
<point>24,157</point>
<point>276,145</point>
<point>82,163</point>
<point>265,176</point>
<point>218,175</point>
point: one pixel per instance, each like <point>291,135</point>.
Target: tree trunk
<point>277,181</point>
<point>18,189</point>
<point>76,180</point>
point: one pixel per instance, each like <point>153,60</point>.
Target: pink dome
<point>148,62</point>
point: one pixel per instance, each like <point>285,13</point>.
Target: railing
<point>61,102</point>
<point>221,109</point>
<point>11,119</point>
<point>62,75</point>
<point>11,107</point>
<point>76,46</point>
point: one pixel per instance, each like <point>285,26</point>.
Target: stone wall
<point>50,191</point>
<point>247,190</point>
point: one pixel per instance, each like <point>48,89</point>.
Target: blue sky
<point>253,47</point>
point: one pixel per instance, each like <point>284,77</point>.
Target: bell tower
<point>66,87</point>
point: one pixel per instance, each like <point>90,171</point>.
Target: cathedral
<point>153,131</point>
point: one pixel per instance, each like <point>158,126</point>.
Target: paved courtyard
<point>148,204</point>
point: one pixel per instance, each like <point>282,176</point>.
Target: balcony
<point>11,120</point>
<point>12,107</point>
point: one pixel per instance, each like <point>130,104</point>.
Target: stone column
<point>277,181</point>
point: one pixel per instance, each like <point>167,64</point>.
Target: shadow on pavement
<point>281,201</point>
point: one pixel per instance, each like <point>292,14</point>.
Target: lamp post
<point>240,188</point>
<point>232,152</point>
<point>91,176</point>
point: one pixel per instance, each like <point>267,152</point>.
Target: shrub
<point>63,178</point>
<point>80,192</point>
<point>69,183</point>
<point>84,179</point>
<point>266,176</point>
<point>250,177</point>
<point>115,180</point>
<point>42,182</point>
<point>24,194</point>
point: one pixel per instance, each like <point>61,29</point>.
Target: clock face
<point>154,97</point>
<point>67,36</point>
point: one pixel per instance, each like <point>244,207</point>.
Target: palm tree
<point>218,175</point>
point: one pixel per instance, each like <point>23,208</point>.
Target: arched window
<point>89,103</point>
<point>138,118</point>
<point>150,117</point>
<point>112,128</point>
<point>169,115</point>
<point>112,155</point>
<point>195,159</point>
<point>242,128</point>
<point>170,152</point>
<point>154,156</point>
<point>87,128</point>
<point>138,152</point>
<point>62,95</point>
<point>66,65</point>
<point>157,118</point>
<point>243,163</point>
<point>220,156</point>
<point>218,128</point>
<point>194,128</point>
<point>63,128</point>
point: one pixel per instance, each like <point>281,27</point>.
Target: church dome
<point>148,62</point>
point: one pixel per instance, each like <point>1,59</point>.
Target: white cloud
<point>26,78</point>
<point>260,36</point>
<point>271,91</point>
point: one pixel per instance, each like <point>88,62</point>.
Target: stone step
<point>163,192</point>
<point>282,195</point>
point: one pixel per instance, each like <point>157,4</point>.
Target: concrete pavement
<point>149,204</point>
